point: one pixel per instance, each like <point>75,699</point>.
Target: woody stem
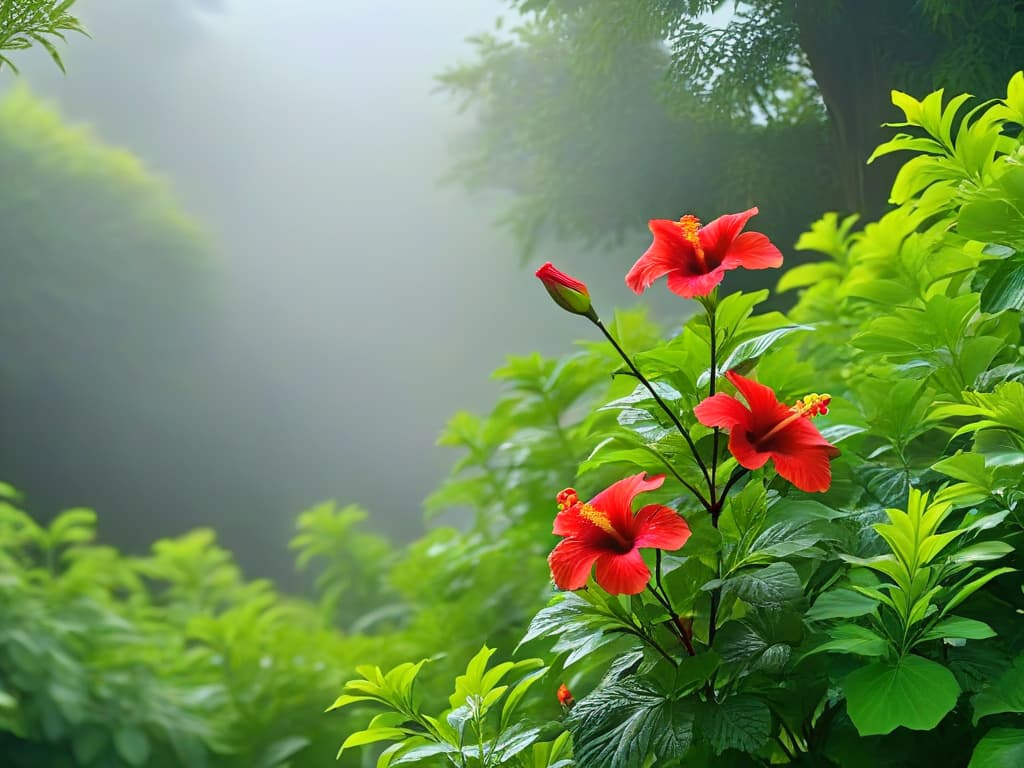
<point>657,398</point>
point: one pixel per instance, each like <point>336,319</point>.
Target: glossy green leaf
<point>999,748</point>
<point>911,692</point>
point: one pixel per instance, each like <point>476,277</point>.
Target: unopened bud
<point>564,697</point>
<point>568,292</point>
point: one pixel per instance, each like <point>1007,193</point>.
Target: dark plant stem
<point>734,479</point>
<point>662,597</point>
<point>712,310</point>
<point>668,465</point>
<point>654,644</point>
<point>657,398</point>
<point>711,307</point>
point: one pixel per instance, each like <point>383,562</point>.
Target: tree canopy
<point>597,115</point>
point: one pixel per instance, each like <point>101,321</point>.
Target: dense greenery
<point>796,628</point>
<point>109,319</point>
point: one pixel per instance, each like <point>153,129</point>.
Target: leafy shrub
<point>794,628</point>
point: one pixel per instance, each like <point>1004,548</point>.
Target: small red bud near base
<point>568,292</point>
<point>564,697</point>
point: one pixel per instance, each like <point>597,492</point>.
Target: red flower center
<point>690,225</point>
<point>600,520</point>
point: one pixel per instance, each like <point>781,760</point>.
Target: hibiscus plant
<point>762,574</point>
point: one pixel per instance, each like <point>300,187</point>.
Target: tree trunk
<point>853,51</point>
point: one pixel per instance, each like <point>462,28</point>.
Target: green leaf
<point>1005,289</point>
<point>739,722</point>
<point>132,745</point>
<point>973,586</point>
<point>911,692</point>
<point>959,627</point>
<point>517,693</point>
<point>1005,695</point>
<point>841,604</point>
<point>694,671</point>
<point>625,724</point>
<point>852,638</point>
<point>999,748</point>
<point>771,587</point>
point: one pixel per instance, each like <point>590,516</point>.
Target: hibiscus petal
<point>797,436</point>
<point>669,251</point>
<point>722,410</point>
<point>753,251</point>
<point>717,237</point>
<point>622,574</point>
<point>744,451</point>
<point>809,470</point>
<point>616,500</point>
<point>570,563</point>
<point>660,528</point>
<point>761,399</point>
<point>689,286</point>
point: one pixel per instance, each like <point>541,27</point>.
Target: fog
<point>364,301</point>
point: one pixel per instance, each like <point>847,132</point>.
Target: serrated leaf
<point>773,586</point>
<point>739,722</point>
<point>625,724</point>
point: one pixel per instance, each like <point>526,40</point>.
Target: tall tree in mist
<point>600,114</point>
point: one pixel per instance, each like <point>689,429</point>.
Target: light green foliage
<point>27,22</point>
<point>172,659</point>
<point>352,564</point>
<point>480,728</point>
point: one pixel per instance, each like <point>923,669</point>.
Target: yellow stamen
<point>809,406</point>
<point>690,225</point>
<point>600,519</point>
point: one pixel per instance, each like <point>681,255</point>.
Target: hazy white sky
<point>307,137</point>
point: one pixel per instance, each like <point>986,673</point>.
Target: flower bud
<point>564,697</point>
<point>569,293</point>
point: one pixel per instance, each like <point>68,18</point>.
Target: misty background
<point>361,301</point>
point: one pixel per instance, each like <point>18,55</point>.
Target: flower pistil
<point>690,225</point>
<point>810,406</point>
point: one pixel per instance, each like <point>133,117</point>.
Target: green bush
<point>107,306</point>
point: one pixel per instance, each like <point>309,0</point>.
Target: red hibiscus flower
<point>766,429</point>
<point>696,258</point>
<point>606,532</point>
